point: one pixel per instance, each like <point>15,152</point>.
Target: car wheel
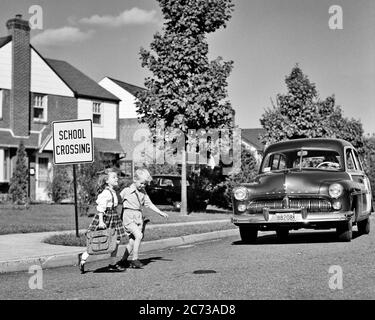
<point>282,234</point>
<point>364,226</point>
<point>248,234</point>
<point>344,231</point>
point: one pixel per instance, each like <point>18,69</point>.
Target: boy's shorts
<point>132,228</point>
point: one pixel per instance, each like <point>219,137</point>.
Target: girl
<point>134,198</point>
<point>106,216</point>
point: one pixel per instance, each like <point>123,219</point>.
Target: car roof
<point>319,143</point>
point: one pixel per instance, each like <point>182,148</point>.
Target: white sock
<point>84,257</point>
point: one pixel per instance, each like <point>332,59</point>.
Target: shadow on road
<point>305,237</point>
<point>145,262</point>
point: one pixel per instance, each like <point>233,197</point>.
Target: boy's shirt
<point>134,199</point>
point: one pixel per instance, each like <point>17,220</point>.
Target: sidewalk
<point>20,251</point>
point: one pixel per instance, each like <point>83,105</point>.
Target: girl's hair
<point>103,178</point>
<point>142,175</point>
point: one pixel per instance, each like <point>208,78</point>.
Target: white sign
<point>72,141</point>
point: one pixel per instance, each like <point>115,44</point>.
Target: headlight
<point>335,190</point>
<point>240,193</point>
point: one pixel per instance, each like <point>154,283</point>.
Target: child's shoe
<point>115,267</point>
<point>136,264</point>
<point>82,267</point>
<point>124,260</point>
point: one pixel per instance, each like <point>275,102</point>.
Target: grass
<point>70,239</point>
<point>53,217</point>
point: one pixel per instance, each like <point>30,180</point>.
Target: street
<point>306,267</point>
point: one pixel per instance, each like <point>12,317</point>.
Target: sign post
<point>72,144</point>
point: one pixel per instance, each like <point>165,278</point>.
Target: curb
<point>72,258</point>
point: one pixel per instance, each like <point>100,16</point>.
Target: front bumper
<point>292,218</point>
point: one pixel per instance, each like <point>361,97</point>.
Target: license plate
<point>287,217</point>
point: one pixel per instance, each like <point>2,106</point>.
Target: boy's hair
<point>142,174</point>
<point>102,180</point>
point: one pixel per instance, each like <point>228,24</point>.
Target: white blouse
<point>104,200</point>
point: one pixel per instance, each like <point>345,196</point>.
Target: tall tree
<point>18,188</point>
<point>186,90</point>
<point>301,114</point>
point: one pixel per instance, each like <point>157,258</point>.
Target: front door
<point>42,180</point>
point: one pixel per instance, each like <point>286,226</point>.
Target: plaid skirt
<point>111,220</point>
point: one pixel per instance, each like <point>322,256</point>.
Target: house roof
<point>252,136</point>
<point>5,40</point>
<point>128,87</point>
<point>7,140</point>
<point>78,82</point>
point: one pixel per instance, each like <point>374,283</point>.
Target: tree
<point>348,129</point>
<point>301,114</point>
<point>368,160</point>
<point>18,188</point>
<point>186,90</point>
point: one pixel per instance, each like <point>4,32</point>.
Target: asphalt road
<point>221,269</point>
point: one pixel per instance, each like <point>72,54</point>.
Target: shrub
<point>222,193</point>
<point>61,186</point>
<point>87,177</point>
<point>18,188</point>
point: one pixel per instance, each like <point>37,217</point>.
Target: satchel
<point>102,241</point>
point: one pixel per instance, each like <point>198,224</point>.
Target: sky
<point>264,38</point>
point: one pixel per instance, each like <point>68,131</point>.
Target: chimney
<point>21,69</point>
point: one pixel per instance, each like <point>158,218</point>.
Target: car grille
<point>312,205</point>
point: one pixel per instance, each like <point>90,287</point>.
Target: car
<point>316,183</point>
<point>166,190</point>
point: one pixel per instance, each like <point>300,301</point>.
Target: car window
<point>166,182</point>
<point>350,162</point>
<point>357,160</point>
<point>303,159</point>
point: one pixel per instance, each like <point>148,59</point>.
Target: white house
<point>34,91</point>
<point>132,133</point>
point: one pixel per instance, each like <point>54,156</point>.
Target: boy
<point>134,198</point>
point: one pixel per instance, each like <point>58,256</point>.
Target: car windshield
<point>302,159</point>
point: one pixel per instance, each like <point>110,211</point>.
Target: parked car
<point>305,183</point>
<point>166,190</point>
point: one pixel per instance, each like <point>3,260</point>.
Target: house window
<point>96,113</point>
<point>1,104</point>
<point>40,108</point>
<point>126,167</point>
<point>4,165</point>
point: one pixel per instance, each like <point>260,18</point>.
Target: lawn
<point>53,217</point>
<point>70,239</point>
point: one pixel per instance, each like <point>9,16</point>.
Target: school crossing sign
<point>72,141</point>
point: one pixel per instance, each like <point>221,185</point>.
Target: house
<point>251,140</point>
<point>132,133</point>
<point>34,91</point>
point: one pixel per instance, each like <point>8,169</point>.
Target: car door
<point>155,192</point>
<point>167,188</point>
<point>354,169</point>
